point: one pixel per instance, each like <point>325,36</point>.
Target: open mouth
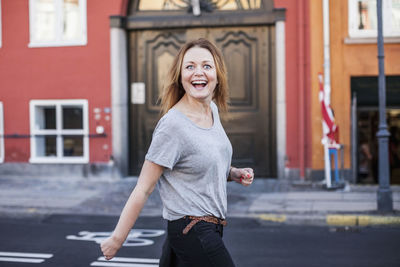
<point>199,84</point>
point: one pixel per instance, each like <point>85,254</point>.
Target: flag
<point>329,128</point>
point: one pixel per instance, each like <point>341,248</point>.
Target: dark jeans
<point>202,246</point>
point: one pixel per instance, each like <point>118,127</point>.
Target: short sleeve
<point>164,149</point>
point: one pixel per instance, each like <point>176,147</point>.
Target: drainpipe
<point>281,127</point>
<point>119,100</point>
<point>302,91</point>
<point>327,79</point>
<point>327,60</point>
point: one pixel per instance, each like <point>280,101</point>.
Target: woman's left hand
<point>243,176</point>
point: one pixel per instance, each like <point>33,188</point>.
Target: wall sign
<point>138,93</point>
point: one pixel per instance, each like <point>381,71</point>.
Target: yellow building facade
<point>354,69</point>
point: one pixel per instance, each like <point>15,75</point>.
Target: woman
<point>189,157</point>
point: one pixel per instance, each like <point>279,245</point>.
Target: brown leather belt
<point>195,219</point>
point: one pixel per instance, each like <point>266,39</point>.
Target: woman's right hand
<point>147,181</point>
<point>243,176</point>
<point>110,247</point>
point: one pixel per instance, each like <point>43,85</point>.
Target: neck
<point>197,106</point>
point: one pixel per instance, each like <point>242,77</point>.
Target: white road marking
<point>136,237</point>
<point>27,260</point>
<point>126,262</point>
<point>30,255</point>
<point>137,260</point>
<point>118,264</point>
<point>24,257</point>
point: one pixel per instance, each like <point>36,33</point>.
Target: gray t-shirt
<point>196,161</point>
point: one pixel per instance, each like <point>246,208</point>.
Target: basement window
<point>59,131</point>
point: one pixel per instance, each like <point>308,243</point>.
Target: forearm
<point>231,177</point>
<point>129,214</point>
<point>146,183</point>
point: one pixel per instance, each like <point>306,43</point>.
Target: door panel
<point>247,53</point>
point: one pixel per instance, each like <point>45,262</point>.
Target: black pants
<point>202,246</point>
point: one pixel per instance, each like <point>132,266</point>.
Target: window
<point>57,22</point>
<point>145,5</point>
<point>363,18</point>
<point>1,133</point>
<point>59,131</point>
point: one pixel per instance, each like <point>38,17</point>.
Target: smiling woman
<point>190,159</point>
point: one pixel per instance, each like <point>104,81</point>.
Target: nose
<point>198,71</point>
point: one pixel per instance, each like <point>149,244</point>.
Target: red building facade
<point>298,88</point>
<point>56,88</point>
<point>55,82</point>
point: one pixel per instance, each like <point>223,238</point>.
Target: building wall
<point>74,72</point>
<point>298,135</point>
<point>355,59</point>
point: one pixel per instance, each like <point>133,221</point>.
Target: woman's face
<point>199,74</point>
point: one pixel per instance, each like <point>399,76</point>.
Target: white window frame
<point>59,132</point>
<point>354,32</point>
<point>1,133</point>
<point>59,17</point>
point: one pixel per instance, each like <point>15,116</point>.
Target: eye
<point>189,67</point>
<point>207,66</point>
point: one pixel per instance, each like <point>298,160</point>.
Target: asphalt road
<point>67,241</point>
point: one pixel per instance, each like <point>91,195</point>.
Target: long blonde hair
<point>173,90</point>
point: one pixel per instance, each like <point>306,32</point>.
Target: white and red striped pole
<point>328,128</point>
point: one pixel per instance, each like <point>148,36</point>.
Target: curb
<point>361,220</point>
<point>330,219</point>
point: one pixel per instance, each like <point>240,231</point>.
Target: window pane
<point>396,15</point>
<point>73,146</point>
<point>367,15</point>
<point>45,117</point>
<point>46,146</point>
<point>71,24</point>
<point>207,5</point>
<point>72,117</point>
<point>238,5</point>
<point>161,5</point>
<point>45,20</point>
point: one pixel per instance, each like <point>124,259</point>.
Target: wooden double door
<point>249,56</point>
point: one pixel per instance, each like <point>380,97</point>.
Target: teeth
<point>199,82</point>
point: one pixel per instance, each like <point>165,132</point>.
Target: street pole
<point>384,194</point>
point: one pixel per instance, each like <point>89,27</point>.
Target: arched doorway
<point>246,37</point>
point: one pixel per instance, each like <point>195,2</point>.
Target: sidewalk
<point>269,200</point>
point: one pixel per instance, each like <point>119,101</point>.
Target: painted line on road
<point>137,260</point>
<point>272,217</point>
<point>30,255</point>
<point>23,257</point>
<point>119,264</point>
<point>361,220</point>
<point>126,262</point>
<point>26,260</point>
